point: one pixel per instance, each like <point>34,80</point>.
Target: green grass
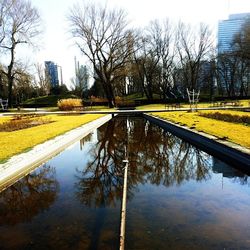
<point>50,99</point>
<point>19,141</point>
<point>136,96</point>
<point>139,96</point>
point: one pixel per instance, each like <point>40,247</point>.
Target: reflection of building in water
<point>220,167</point>
<point>85,139</point>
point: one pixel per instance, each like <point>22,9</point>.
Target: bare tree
<point>103,37</point>
<point>193,46</point>
<point>5,6</point>
<point>21,25</point>
<point>42,82</point>
<point>146,61</point>
<point>162,38</point>
<point>227,67</point>
<point>23,87</point>
<point>146,64</point>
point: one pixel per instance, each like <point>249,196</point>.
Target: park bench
<point>230,103</point>
<point>226,104</point>
<point>172,105</point>
<point>3,104</point>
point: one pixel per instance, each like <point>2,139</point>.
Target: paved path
<point>135,111</point>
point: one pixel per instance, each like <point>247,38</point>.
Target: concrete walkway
<point>22,164</point>
<point>133,111</point>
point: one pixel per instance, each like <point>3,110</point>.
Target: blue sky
<point>57,46</point>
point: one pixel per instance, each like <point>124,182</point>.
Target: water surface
<point>178,196</point>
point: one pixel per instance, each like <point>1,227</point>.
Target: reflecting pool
<point>179,197</point>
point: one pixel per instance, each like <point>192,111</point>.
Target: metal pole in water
<point>124,203</point>
<point>124,194</point>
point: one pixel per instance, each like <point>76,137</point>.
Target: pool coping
<point>229,152</point>
<point>22,164</point>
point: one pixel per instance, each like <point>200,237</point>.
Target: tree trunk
<point>109,94</point>
<point>10,85</point>
<point>10,75</point>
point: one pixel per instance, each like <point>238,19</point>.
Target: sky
<point>56,43</point>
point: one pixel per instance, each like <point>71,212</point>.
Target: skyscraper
<point>81,76</point>
<point>51,71</point>
<point>234,74</point>
<point>227,29</point>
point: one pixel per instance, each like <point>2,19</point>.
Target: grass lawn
<point>233,132</point>
<point>51,99</point>
<point>22,140</point>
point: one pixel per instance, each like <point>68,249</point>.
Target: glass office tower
<point>52,72</point>
<point>227,29</point>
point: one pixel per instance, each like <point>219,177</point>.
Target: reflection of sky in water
<point>178,196</point>
<point>209,214</point>
<point>74,157</point>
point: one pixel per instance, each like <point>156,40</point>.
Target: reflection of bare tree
<point>168,159</point>
<point>243,180</point>
<point>100,184</point>
<point>155,156</point>
<point>32,194</point>
<point>187,162</point>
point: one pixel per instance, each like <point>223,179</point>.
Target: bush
<point>228,117</point>
<point>122,103</point>
<point>69,104</point>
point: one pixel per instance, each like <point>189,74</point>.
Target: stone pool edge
<point>227,151</point>
<point>22,164</point>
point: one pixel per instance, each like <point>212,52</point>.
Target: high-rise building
<point>51,71</point>
<point>81,76</point>
<point>234,74</point>
<point>227,29</point>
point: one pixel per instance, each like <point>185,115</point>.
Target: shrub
<point>228,117</point>
<point>98,99</point>
<point>69,104</point>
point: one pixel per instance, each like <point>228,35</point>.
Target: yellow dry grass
<point>19,141</point>
<point>237,133</point>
